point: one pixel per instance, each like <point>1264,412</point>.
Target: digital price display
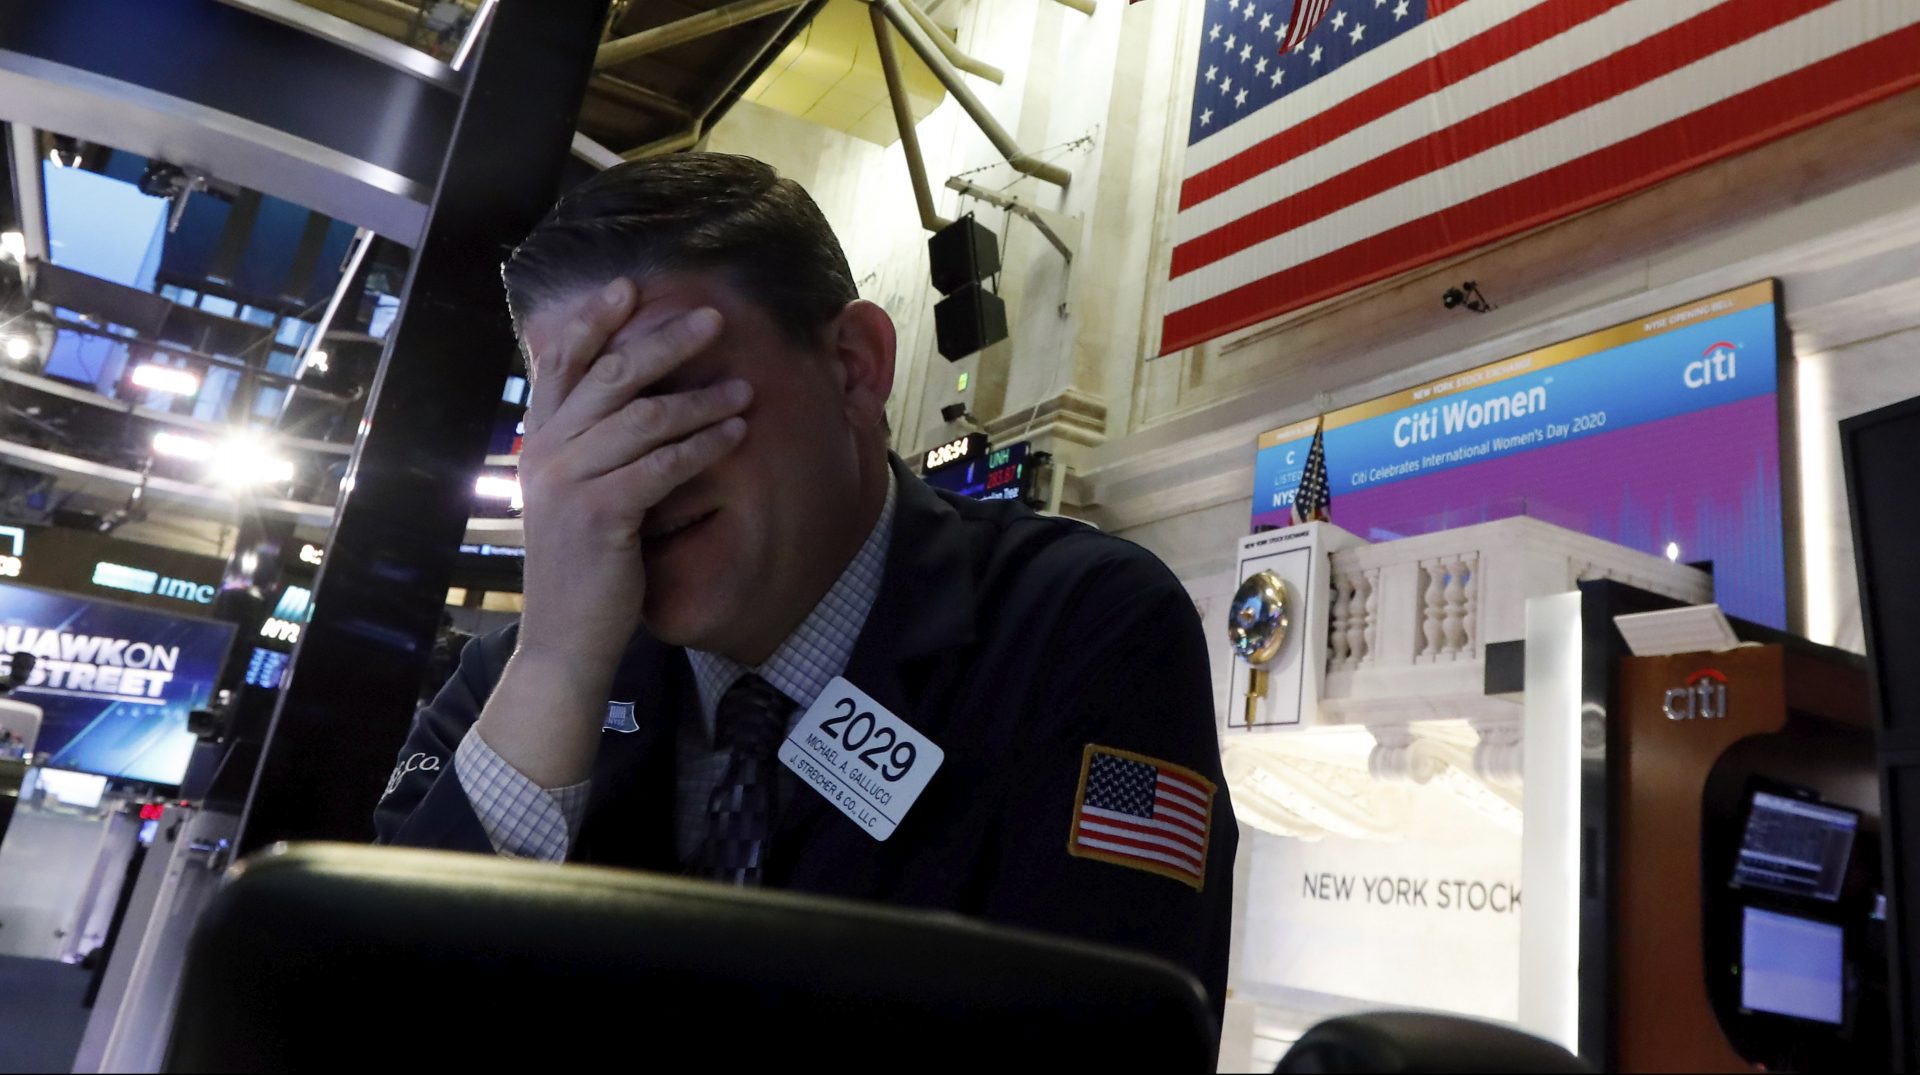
<point>267,668</point>
<point>1001,474</point>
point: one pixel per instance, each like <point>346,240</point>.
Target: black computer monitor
<point>1792,966</point>
<point>1795,846</point>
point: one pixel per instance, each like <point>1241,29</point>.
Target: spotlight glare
<point>1673,551</point>
<point>495,487</point>
<point>174,382</point>
<point>245,461</point>
<point>19,348</point>
<point>182,447</point>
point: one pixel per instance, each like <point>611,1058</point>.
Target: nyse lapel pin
<point>620,718</point>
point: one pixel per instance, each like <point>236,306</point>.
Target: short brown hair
<point>689,212</point>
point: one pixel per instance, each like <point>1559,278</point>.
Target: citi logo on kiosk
<point>1704,697</point>
<point>1719,362</point>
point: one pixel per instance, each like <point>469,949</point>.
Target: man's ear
<point>861,337</point>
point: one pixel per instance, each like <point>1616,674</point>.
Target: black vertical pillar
<point>378,597</point>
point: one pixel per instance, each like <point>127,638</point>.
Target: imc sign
<point>1664,429</point>
<point>115,682</point>
<point>154,584</point>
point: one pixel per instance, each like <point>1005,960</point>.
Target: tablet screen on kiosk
<point>1795,847</point>
<point>1791,966</point>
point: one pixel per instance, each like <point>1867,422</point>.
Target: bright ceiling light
<point>19,348</point>
<point>180,446</point>
<point>317,360</point>
<point>495,487</point>
<point>13,246</point>
<point>166,379</point>
<point>245,461</point>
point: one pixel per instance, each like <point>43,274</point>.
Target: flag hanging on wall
<point>1333,143</point>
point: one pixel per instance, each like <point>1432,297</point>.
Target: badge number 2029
<point>866,761</point>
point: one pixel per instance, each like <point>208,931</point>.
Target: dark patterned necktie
<point>750,722</point>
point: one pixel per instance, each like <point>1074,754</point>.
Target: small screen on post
<point>1795,847</point>
<point>266,668</point>
<point>999,475</point>
<point>1791,966</point>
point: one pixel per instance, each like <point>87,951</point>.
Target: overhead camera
<point>162,180</point>
<point>170,181</point>
<point>1467,295</point>
<point>953,412</point>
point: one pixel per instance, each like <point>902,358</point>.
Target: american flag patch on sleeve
<point>1142,812</point>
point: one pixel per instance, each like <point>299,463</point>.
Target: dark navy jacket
<point>1010,639</point>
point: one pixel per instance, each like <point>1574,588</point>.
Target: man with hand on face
<point>756,648</point>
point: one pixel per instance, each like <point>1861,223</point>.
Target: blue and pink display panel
<point>1661,432</point>
<point>115,683</point>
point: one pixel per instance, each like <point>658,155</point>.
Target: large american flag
<point>1399,132</point>
<point>1143,812</point>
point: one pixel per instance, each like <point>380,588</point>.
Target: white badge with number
<point>867,762</point>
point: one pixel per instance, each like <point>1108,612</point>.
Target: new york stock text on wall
<point>1472,895</point>
<point>1428,917</point>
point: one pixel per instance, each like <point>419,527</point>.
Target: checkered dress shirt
<point>525,820</point>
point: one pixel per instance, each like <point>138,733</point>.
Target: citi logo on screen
<point>1704,697</point>
<point>1717,363</point>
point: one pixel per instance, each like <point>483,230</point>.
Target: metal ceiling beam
<point>1058,230</point>
<point>950,50</point>
<point>681,31</point>
<point>747,68</point>
<point>930,219</point>
<point>641,97</point>
<point>918,40</point>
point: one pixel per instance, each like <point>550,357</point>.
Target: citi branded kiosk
<point>1522,738</point>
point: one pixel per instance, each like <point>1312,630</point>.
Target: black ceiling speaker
<point>969,320</point>
<point>961,253</point>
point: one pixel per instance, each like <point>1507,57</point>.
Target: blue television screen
<point>115,683</point>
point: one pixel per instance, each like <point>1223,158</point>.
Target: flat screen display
<point>998,475</point>
<point>84,790</point>
<point>115,683</point>
<point>1795,847</point>
<point>1660,434</point>
<point>267,667</point>
<point>1792,966</point>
